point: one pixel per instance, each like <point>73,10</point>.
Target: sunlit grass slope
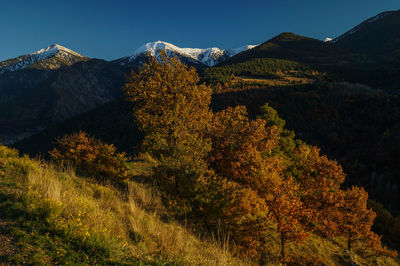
<point>53,216</point>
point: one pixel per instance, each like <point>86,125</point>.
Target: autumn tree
<point>357,220</point>
<point>242,153</point>
<point>172,109</point>
<point>319,182</point>
<point>90,156</point>
<point>286,209</point>
<point>238,144</point>
<point>335,212</point>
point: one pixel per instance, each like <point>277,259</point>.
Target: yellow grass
<point>129,220</point>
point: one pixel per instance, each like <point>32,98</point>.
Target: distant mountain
<point>26,71</point>
<point>191,56</point>
<point>52,57</point>
<point>378,37</point>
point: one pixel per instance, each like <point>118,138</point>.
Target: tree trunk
<point>349,244</point>
<point>263,259</point>
<point>283,248</point>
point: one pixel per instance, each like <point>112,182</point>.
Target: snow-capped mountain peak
<point>207,56</point>
<point>55,55</point>
<point>53,50</point>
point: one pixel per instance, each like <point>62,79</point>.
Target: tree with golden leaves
<point>238,144</point>
<point>286,209</point>
<point>241,153</point>
<point>319,182</point>
<point>173,111</point>
<point>357,220</point>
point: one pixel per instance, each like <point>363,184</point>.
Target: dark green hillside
<point>70,91</point>
<point>267,68</point>
<point>298,48</point>
<point>335,62</point>
<point>15,83</point>
<point>111,122</point>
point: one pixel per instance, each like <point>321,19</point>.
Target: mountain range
<point>192,56</point>
<point>43,88</point>
<point>46,87</point>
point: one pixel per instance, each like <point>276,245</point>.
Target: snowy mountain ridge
<point>55,56</point>
<point>207,56</point>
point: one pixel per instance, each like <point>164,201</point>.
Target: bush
<point>6,152</point>
<point>90,156</point>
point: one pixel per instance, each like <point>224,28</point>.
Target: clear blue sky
<point>115,28</point>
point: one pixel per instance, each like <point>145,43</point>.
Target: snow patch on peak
<point>207,56</point>
<point>235,51</point>
<point>327,39</point>
<point>53,50</point>
<point>203,55</point>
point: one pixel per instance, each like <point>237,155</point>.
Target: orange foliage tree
<point>357,220</point>
<point>241,153</point>
<point>319,182</point>
<point>91,156</point>
<point>172,110</point>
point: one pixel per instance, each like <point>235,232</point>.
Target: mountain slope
<point>191,56</point>
<point>290,46</point>
<point>70,91</point>
<point>377,37</point>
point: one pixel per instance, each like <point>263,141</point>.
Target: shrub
<point>6,152</point>
<point>90,156</point>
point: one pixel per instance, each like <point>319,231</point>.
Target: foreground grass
<point>55,217</point>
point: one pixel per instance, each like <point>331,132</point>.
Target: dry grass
<point>129,221</point>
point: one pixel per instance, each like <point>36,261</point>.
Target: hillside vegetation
<point>53,216</point>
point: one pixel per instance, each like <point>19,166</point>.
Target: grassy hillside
<point>52,216</point>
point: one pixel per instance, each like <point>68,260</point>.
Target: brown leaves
<point>90,156</point>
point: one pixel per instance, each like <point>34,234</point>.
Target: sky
<point>110,29</point>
